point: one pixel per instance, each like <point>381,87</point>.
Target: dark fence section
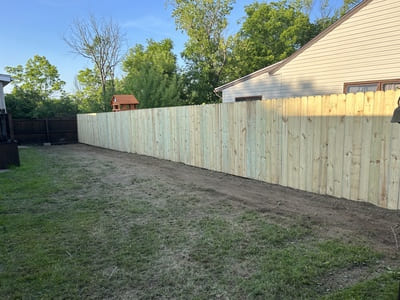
<point>4,128</point>
<point>54,131</point>
<point>8,148</point>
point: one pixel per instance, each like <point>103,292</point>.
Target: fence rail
<point>339,145</point>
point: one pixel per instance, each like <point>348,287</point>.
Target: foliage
<point>38,76</point>
<point>206,51</point>
<point>152,74</point>
<point>348,5</point>
<point>88,91</point>
<point>270,32</point>
<point>100,41</point>
<point>32,105</point>
<point>22,104</point>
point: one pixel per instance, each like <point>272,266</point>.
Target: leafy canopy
<point>152,74</point>
<point>38,76</point>
<point>270,32</point>
<point>206,50</point>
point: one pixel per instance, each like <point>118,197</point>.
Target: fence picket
<point>340,145</point>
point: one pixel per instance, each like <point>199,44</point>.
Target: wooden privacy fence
<point>55,131</point>
<point>339,145</point>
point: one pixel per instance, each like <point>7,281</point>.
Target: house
<point>358,53</point>
<point>124,102</point>
<point>4,80</point>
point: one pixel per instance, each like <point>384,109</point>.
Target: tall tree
<point>204,21</point>
<point>269,33</point>
<point>152,74</point>
<point>101,42</point>
<point>38,76</point>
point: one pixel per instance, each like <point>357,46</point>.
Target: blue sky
<point>32,27</point>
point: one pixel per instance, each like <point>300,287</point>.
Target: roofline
<point>275,67</point>
<point>249,76</point>
<point>323,33</point>
<point>5,79</point>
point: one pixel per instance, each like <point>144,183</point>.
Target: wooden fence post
<point>47,131</point>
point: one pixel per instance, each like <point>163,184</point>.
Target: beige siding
<point>364,47</point>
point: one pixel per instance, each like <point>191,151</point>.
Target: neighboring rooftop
<point>5,79</point>
<point>276,66</point>
<point>251,75</point>
<point>124,99</point>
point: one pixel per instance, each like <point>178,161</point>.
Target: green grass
<point>68,231</point>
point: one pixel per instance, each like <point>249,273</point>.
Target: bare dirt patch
<point>157,181</point>
<point>334,217</point>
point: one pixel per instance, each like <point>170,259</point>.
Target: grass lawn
<point>68,231</point>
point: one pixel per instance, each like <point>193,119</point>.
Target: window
<point>371,86</point>
<point>248,98</point>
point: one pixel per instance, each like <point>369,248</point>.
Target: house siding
<point>364,47</point>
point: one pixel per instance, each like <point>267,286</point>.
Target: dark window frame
<point>248,98</point>
<point>380,84</point>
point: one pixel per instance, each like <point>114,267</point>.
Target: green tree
<point>152,74</point>
<point>348,5</point>
<point>38,76</point>
<point>88,91</point>
<point>206,51</point>
<point>56,108</point>
<point>22,103</point>
<point>25,104</point>
<point>270,32</point>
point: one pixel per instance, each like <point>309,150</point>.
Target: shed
<point>124,102</point>
<point>358,53</point>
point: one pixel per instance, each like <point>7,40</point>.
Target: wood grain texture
<point>339,145</point>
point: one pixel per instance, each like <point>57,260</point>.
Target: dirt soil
<point>329,216</point>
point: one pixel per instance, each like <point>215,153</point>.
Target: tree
<point>152,74</point>
<point>206,51</point>
<point>323,11</point>
<point>348,5</point>
<point>26,104</point>
<point>271,32</point>
<point>88,91</point>
<point>38,76</point>
<point>21,104</point>
<point>99,41</point>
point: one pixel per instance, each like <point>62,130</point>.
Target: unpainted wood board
<point>309,115</point>
<point>268,146</point>
<point>303,139</point>
<point>250,142</point>
<point>348,145</point>
<point>226,123</point>
<point>275,164</point>
<point>316,104</point>
<point>357,146</point>
<point>324,145</point>
<point>332,124</point>
<point>339,145</point>
<point>366,146</point>
<point>376,148</point>
<point>262,142</point>
<point>394,164</point>
<point>284,143</point>
<point>384,171</point>
<point>294,143</point>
